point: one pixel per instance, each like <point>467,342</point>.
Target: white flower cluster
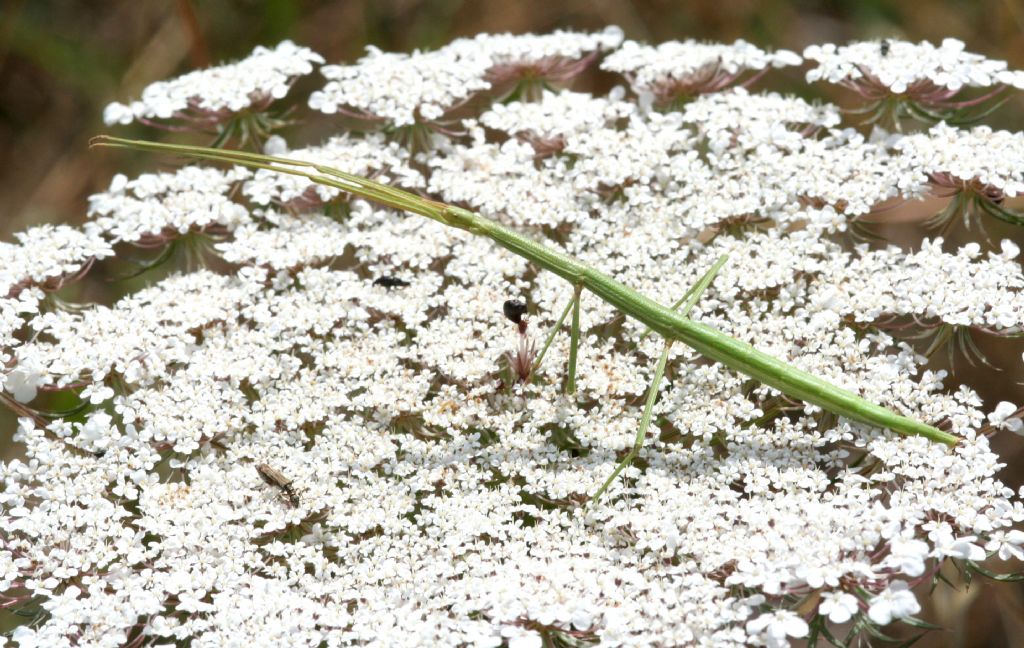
<point>900,66</point>
<point>557,115</point>
<point>690,67</point>
<point>264,76</point>
<point>929,284</point>
<point>155,204</point>
<point>45,258</point>
<point>47,254</point>
<point>404,89</point>
<point>979,158</point>
<point>73,346</point>
<point>528,195</point>
<point>848,172</point>
<point>418,498</point>
<point>762,164</point>
<point>400,88</point>
<point>527,49</point>
<point>736,117</point>
<point>281,241</point>
<point>371,156</point>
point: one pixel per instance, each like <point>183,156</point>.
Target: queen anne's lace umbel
<point>371,156</point>
<point>900,65</point>
<point>689,68</point>
<point>264,76</point>
<point>980,158</point>
<point>359,353</point>
<point>405,89</point>
<point>155,204</point>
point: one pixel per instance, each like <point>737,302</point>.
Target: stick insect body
<point>670,324</point>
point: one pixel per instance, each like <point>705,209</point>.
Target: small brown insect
<point>275,478</point>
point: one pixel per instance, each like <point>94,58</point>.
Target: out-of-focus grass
<point>62,61</point>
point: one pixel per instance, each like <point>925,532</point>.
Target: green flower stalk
<point>670,324</point>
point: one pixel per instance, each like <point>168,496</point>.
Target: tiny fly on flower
<point>884,48</point>
<point>274,477</point>
<point>390,282</point>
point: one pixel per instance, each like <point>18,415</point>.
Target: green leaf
<point>911,641</point>
<point>875,632</point>
<point>919,623</point>
<point>1001,213</point>
<point>1002,578</point>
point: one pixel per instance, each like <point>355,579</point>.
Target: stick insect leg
<point>574,341</point>
<point>652,395</point>
<point>551,336</point>
<point>687,302</point>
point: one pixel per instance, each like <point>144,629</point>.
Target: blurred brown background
<point>62,61</point>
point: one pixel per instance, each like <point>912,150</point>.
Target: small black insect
<point>275,478</point>
<point>390,282</point>
<point>884,48</point>
<point>514,310</point>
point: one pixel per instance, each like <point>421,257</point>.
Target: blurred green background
<point>62,61</point>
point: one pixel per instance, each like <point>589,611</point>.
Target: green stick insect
<point>671,324</point>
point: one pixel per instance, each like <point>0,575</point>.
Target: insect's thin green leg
<point>694,292</point>
<point>652,396</point>
<point>551,336</point>
<point>688,301</point>
<point>692,295</point>
<point>574,341</point>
